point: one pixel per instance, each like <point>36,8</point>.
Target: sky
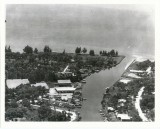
<point>126,28</point>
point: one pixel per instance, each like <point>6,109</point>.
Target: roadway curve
<point>137,105</point>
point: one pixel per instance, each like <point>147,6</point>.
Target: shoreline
<point>123,76</point>
<point>121,58</point>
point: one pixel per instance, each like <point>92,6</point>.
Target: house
<point>53,93</point>
<point>64,83</point>
<point>148,70</point>
<point>121,103</point>
<point>121,100</point>
<point>65,91</point>
<point>35,106</point>
<point>19,119</point>
<point>107,89</point>
<point>125,80</point>
<point>132,75</point>
<point>124,117</point>
<point>83,71</point>
<point>72,60</point>
<point>65,74</point>
<point>42,84</point>
<point>13,83</point>
<point>111,109</point>
<point>137,71</point>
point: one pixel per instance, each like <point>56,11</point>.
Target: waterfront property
<point>65,91</point>
<point>64,83</point>
<point>125,80</point>
<point>127,95</point>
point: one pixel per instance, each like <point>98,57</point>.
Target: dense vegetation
<point>21,106</point>
<point>44,66</point>
<point>109,53</point>
<point>129,92</point>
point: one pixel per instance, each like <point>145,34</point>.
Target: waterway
<point>95,87</point>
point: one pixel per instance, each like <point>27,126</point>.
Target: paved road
<point>137,105</point>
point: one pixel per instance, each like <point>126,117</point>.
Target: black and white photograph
<point>79,63</point>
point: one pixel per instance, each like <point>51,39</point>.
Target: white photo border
<point>67,125</point>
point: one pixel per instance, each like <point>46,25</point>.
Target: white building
<point>124,117</point>
<point>53,93</point>
<point>148,70</point>
<point>64,83</point>
<point>125,80</point>
<point>137,71</point>
<point>42,84</point>
<point>66,92</point>
<point>132,75</point>
<point>13,83</point>
<point>121,100</point>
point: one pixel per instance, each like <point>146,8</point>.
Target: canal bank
<point>95,87</point>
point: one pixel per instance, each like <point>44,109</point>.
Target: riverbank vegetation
<point>122,96</point>
<point>44,66</point>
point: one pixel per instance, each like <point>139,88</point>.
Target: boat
<point>97,70</point>
<point>84,98</point>
<point>78,106</point>
<point>101,113</point>
<point>83,81</point>
<point>100,110</point>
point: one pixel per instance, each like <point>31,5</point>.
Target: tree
<point>91,52</point>
<point>28,50</point>
<point>78,50</point>
<point>116,53</point>
<point>8,49</point>
<point>134,114</point>
<point>25,103</point>
<point>112,53</point>
<point>44,112</point>
<point>35,50</point>
<point>14,104</point>
<point>32,78</point>
<point>13,113</point>
<point>84,50</point>
<point>100,52</point>
<point>47,49</point>
<point>52,117</point>
<point>64,51</point>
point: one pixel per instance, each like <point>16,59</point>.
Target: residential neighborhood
<point>132,94</point>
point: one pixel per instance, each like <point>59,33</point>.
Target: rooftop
<point>52,91</point>
<point>64,81</point>
<point>42,84</point>
<point>13,83</point>
<point>125,80</point>
<point>137,71</point>
<point>65,88</point>
<point>121,100</point>
<point>133,75</point>
<point>124,116</point>
<point>148,70</point>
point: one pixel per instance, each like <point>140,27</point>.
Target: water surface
<point>95,87</point>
